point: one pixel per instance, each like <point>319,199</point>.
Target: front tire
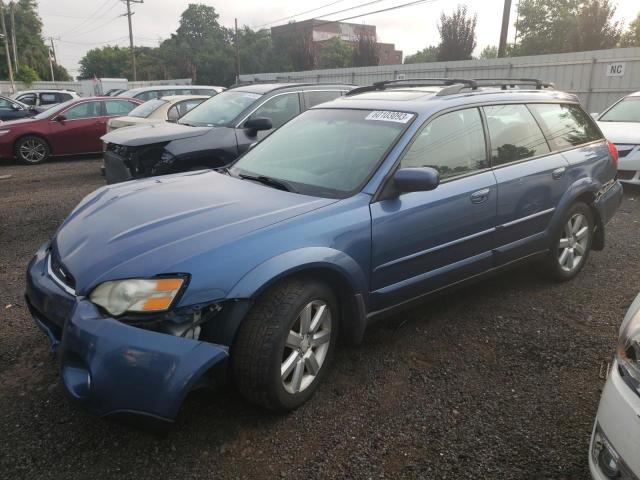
<point>285,345</point>
<point>32,150</point>
<point>572,245</point>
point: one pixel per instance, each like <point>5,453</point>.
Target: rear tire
<point>285,345</point>
<point>572,244</point>
<point>32,150</point>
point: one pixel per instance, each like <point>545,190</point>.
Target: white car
<point>620,124</point>
<point>159,91</point>
<point>44,98</point>
<point>615,442</point>
<point>157,111</point>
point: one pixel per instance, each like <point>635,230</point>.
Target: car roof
<point>177,98</point>
<point>263,88</point>
<point>634,94</point>
<point>426,99</point>
<point>171,87</point>
<point>47,90</point>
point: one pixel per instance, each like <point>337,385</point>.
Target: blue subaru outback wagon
<point>351,211</point>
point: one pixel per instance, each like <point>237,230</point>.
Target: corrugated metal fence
<point>598,77</point>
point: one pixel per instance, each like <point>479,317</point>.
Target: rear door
<point>423,241</point>
<point>80,131</point>
<point>531,180</point>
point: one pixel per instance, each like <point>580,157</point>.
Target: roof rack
<point>505,83</point>
<point>459,83</point>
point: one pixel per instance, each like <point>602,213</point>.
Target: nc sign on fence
<point>615,69</point>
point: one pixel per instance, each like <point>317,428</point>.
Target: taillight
<point>613,151</point>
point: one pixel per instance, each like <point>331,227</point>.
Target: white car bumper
<point>617,431</point>
<point>629,163</point>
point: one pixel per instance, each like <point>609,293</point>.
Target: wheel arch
<point>338,270</point>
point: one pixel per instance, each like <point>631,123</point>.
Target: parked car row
<point>354,204</point>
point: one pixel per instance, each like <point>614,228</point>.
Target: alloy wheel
<point>306,347</point>
<point>573,242</point>
<point>33,151</point>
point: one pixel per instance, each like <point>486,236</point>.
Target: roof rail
<point>505,83</point>
<point>417,82</point>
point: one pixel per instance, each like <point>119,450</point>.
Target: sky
<point>78,26</point>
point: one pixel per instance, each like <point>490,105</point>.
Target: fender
<point>354,302</point>
<point>270,271</point>
<point>580,187</point>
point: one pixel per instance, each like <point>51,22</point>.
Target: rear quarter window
<point>565,125</point>
<point>315,98</point>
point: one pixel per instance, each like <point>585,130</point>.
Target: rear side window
<point>119,107</point>
<point>514,134</point>
<point>315,98</point>
<point>208,92</point>
<point>63,97</point>
<point>565,125</point>
<point>147,95</point>
<point>48,98</point>
<point>453,144</point>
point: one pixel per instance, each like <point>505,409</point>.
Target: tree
<point>490,51</point>
<point>556,26</point>
<point>27,75</point>
<point>631,38</point>
<point>426,55</point>
<point>107,61</point>
<point>32,50</point>
<point>335,53</point>
<point>365,52</point>
<point>458,35</point>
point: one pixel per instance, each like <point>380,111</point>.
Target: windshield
<point>50,112</point>
<point>220,109</point>
<point>627,110</point>
<point>147,108</point>
<point>324,152</point>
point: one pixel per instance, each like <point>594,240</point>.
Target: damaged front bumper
<point>112,368</point>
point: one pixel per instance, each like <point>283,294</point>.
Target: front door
<point>79,130</point>
<point>279,109</point>
<point>423,241</point>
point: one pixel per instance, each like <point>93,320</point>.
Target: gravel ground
<point>499,380</point>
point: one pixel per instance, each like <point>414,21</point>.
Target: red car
<point>70,128</point>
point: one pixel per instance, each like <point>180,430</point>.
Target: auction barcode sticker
<point>388,116</point>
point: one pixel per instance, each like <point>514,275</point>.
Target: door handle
<point>480,196</point>
<point>558,172</point>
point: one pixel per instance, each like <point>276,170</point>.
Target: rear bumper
<point>111,368</point>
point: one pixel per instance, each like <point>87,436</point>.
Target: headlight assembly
<point>136,295</point>
<point>628,352</point>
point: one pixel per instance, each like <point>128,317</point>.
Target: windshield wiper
<point>271,182</point>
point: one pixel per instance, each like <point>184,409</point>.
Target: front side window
<point>181,108</point>
<point>221,109</point>
<point>29,98</point>
<point>5,103</point>
<point>83,110</point>
<point>565,125</point>
<point>147,108</point>
<point>323,152</point>
<point>316,98</point>
<point>626,110</point>
<point>452,143</point>
<point>279,109</point>
<point>514,134</point>
<point>118,107</point>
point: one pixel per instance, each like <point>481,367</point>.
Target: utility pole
<point>13,36</point>
<point>53,50</point>
<point>133,53</point>
<point>53,77</point>
<point>237,54</point>
<point>502,46</point>
<point>6,47</point>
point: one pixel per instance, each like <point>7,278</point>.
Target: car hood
<point>154,133</point>
<point>621,132</point>
<point>149,227</point>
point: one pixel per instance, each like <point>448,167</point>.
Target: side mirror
<point>416,179</point>
<point>255,125</point>
<point>594,115</point>
<point>16,107</point>
<point>59,118</point>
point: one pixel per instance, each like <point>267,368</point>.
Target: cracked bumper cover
<point>110,367</point>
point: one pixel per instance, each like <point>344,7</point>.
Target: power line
<point>94,16</point>
<point>404,5</point>
<point>351,8</point>
<point>298,14</point>
<point>95,27</point>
